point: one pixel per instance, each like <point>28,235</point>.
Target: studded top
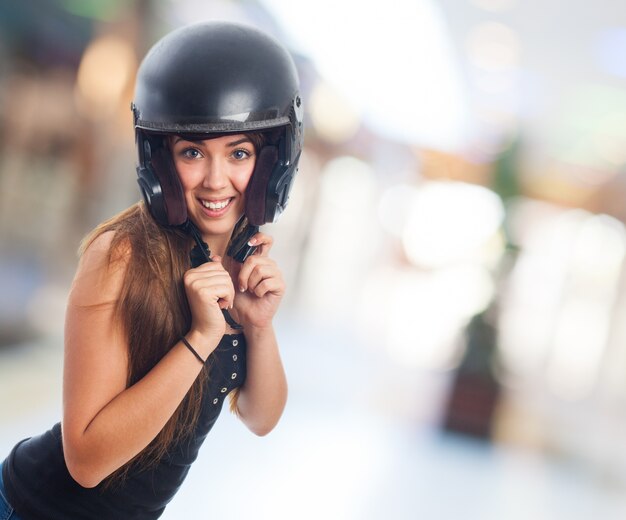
<point>35,474</point>
<point>227,368</point>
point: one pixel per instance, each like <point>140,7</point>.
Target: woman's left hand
<point>259,285</point>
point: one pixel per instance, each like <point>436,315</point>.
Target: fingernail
<point>252,242</point>
<point>241,289</point>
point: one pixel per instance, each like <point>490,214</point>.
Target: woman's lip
<point>215,212</point>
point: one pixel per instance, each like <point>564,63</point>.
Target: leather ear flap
<point>173,196</point>
<point>256,192</point>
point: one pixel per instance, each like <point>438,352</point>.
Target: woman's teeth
<point>215,205</point>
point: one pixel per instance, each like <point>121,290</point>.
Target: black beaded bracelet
<point>191,349</point>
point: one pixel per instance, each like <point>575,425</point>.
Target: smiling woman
<point>151,349</point>
<point>214,175</point>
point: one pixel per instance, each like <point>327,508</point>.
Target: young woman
<point>171,307</point>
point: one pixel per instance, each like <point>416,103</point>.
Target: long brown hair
<point>153,311</point>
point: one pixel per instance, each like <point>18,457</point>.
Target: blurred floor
<point>338,453</point>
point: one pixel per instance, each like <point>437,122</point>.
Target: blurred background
<point>455,327</point>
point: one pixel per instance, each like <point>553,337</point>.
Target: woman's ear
<point>172,194</point>
<point>256,191</point>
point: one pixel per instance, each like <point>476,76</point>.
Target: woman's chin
<point>215,229</point>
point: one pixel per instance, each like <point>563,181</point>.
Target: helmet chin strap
<point>201,254</point>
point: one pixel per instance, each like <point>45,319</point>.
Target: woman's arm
<point>262,398</point>
<point>106,424</point>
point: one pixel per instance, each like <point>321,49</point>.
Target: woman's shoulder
<point>101,269</point>
<point>106,250</point>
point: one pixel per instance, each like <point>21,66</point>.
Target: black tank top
<point>39,486</point>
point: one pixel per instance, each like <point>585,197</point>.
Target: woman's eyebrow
<point>178,138</point>
<point>239,141</point>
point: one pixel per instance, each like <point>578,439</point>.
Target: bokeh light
<point>105,71</point>
<point>451,221</point>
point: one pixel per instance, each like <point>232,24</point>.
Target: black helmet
<point>217,78</point>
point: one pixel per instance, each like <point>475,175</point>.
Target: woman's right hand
<point>209,289</point>
<point>106,421</point>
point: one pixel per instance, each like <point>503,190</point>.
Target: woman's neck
<point>217,244</point>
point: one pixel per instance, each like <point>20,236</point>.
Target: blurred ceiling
<point>467,75</point>
<point>45,32</point>
<point>457,76</point>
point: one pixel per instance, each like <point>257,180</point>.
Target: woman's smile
<point>214,174</point>
<point>216,208</point>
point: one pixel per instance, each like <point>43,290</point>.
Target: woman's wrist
<point>203,344</point>
<point>256,324</point>
<point>258,332</point>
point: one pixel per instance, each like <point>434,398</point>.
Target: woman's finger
<point>271,285</point>
<point>265,278</point>
<point>252,263</point>
<point>262,242</point>
<point>210,283</point>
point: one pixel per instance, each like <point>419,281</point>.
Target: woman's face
<point>214,175</point>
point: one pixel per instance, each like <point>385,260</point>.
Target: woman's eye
<point>191,153</point>
<point>241,154</point>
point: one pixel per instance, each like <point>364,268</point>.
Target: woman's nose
<point>215,175</point>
